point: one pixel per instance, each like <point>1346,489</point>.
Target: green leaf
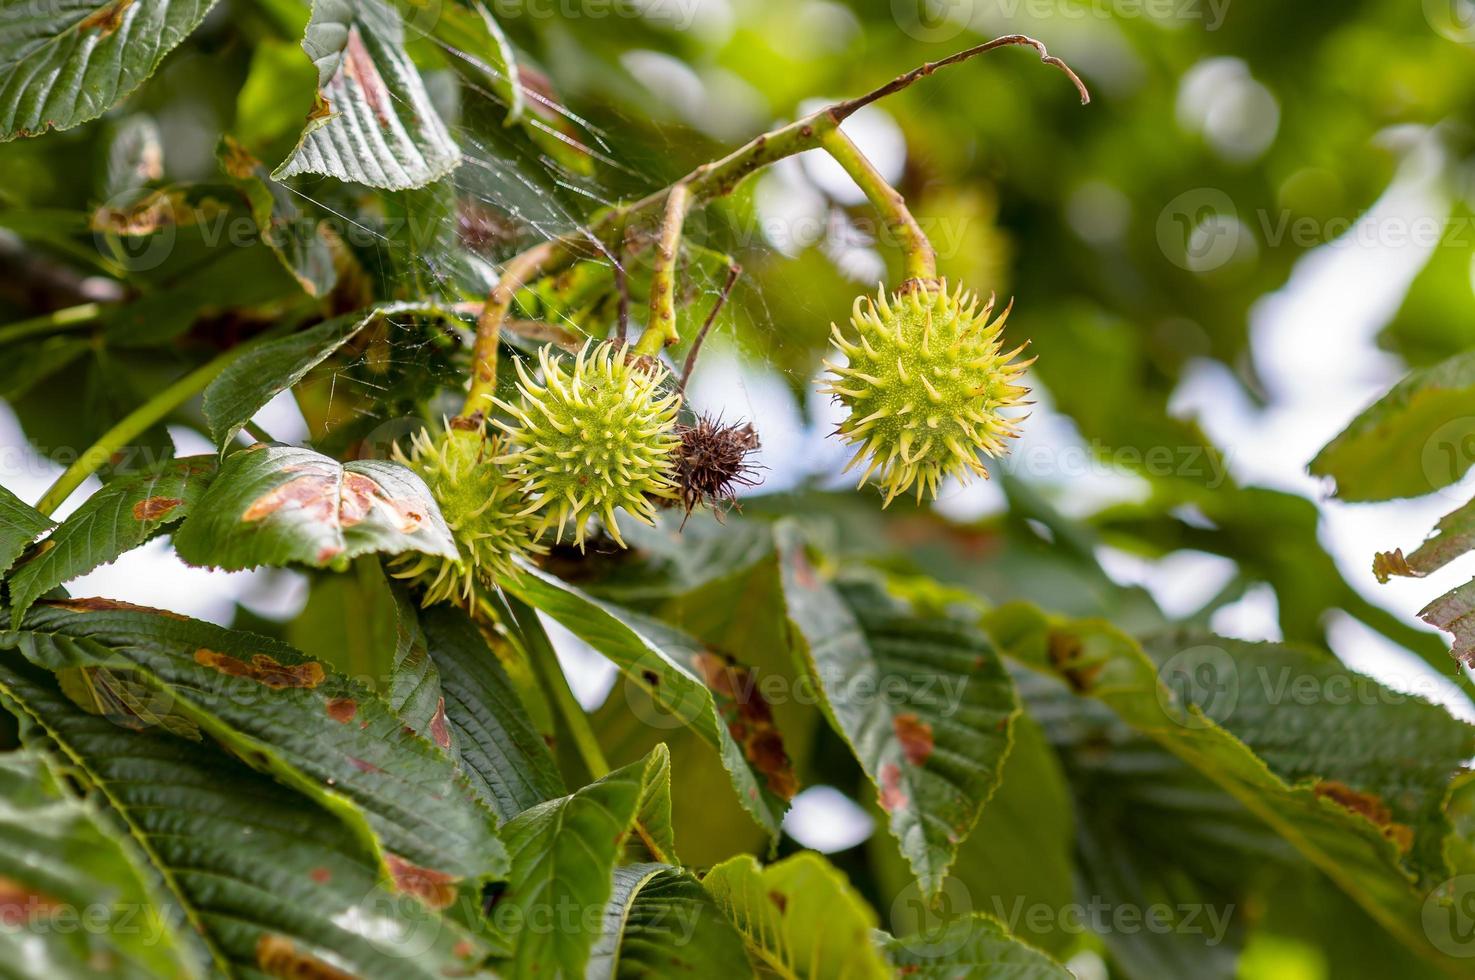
<point>60,860</point>
<point>924,702</point>
<point>269,883</point>
<point>1454,612</point>
<point>319,732</point>
<point>373,122</point>
<point>660,922</point>
<point>278,505</point>
<point>502,753</point>
<point>800,918</point>
<point>478,46</point>
<point>1155,835</point>
<point>563,858</point>
<point>65,63</point>
<point>124,514</point>
<point>259,375</point>
<point>719,584</point>
<point>1417,438</point>
<point>1020,856</point>
<point>1453,536</point>
<point>966,948</point>
<point>299,241</point>
<point>664,663</point>
<point>20,524</point>
<point>1364,837</point>
<point>1314,721</point>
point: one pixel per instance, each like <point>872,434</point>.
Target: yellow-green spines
<point>924,380</point>
<point>482,505</point>
<point>592,439</point>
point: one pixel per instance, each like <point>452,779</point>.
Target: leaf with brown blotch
<point>279,505</point>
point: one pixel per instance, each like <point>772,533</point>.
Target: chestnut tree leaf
<point>66,62</point>
<point>124,514</point>
<point>59,852</point>
<point>1418,438</point>
<point>661,923</point>
<point>374,122</point>
<point>502,752</point>
<point>924,702</point>
<point>257,878</point>
<point>1452,537</point>
<point>300,241</point>
<point>280,505</point>
<point>321,733</point>
<point>665,663</point>
<point>799,917</point>
<point>270,368</point>
<point>563,856</point>
<point>20,524</point>
<point>969,946</point>
<point>1298,739</point>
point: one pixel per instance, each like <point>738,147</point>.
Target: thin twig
<point>519,270</point>
<point>733,271</point>
<point>707,182</point>
<point>920,256</point>
<point>660,328</point>
<point>843,110</point>
<point>71,318</point>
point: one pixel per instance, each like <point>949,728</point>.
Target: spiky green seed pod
<point>482,505</point>
<point>593,439</point>
<point>925,379</point>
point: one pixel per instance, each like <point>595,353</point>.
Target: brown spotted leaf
<point>1454,612</point>
<point>374,123</point>
<point>121,516</point>
<point>658,658</point>
<point>279,505</point>
<point>253,877</point>
<point>924,702</point>
<point>62,855</point>
<point>66,62</point>
<point>1353,775</point>
<point>800,918</point>
<point>283,714</point>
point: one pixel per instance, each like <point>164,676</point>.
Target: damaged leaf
<point>375,123</point>
<point>124,514</point>
<point>799,917</point>
<point>267,704</point>
<point>278,505</point>
<point>923,701</point>
<point>63,64</point>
